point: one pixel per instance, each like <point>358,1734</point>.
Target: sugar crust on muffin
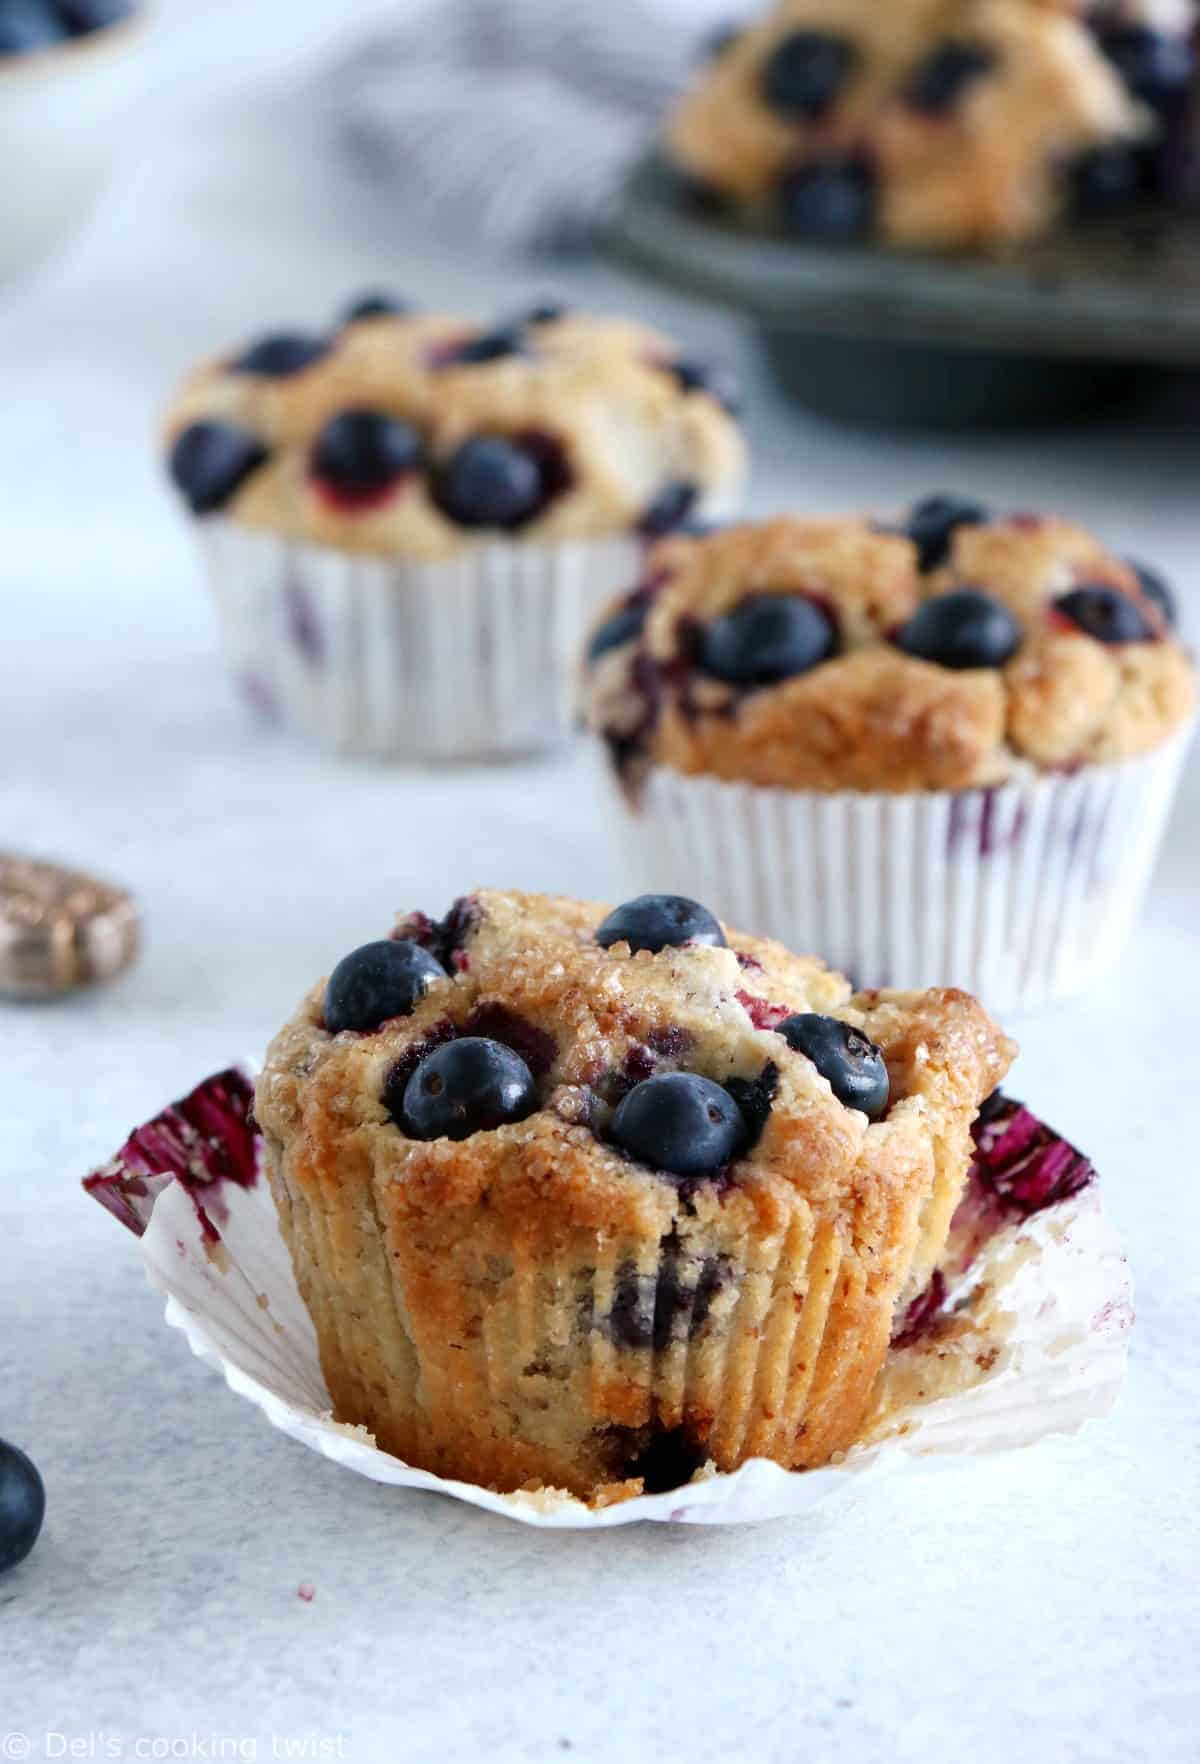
<point>531,1304</point>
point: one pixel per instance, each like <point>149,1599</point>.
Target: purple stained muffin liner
<point>1021,1332</point>
<point>1021,893</point>
<point>467,658</point>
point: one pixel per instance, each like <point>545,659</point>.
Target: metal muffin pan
<point>1058,329</point>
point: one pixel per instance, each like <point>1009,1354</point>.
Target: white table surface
<point>1045,1604</point>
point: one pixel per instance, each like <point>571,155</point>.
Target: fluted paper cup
<point>1022,1332</point>
<point>1021,893</point>
<point>463,659</point>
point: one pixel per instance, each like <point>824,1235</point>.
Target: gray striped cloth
<point>511,122</point>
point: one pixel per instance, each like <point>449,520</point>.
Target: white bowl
<point>62,123</point>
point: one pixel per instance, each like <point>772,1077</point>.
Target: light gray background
<point>1044,1605</point>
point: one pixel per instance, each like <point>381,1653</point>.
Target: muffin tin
<point>1053,331</point>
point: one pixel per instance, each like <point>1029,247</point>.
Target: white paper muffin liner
<point>464,659</point>
<point>1021,893</point>
<point>1025,1332</point>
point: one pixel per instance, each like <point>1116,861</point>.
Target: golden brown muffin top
<point>943,123</point>
<point>947,653</point>
<point>593,1024</point>
<point>414,434</point>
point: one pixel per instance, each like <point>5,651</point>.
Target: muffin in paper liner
<point>389,658</point>
<point>408,517</point>
<point>1020,893</point>
<point>1020,1333</point>
<point>942,751</point>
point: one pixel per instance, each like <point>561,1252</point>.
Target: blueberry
<point>1154,66</point>
<point>491,482</point>
<point>278,357</point>
<point>377,982</point>
<point>84,16</point>
<point>1106,178</point>
<point>26,25</point>
<point>210,461</point>
<point>467,1086</point>
<point>495,345</point>
<point>1105,614</point>
<point>965,629</point>
<point>544,312</point>
<point>22,1506</point>
<point>621,628</point>
<point>680,1123</point>
<point>831,199</point>
<point>1157,591</point>
<point>375,304</point>
<point>670,510</point>
<point>765,639</point>
<point>939,81</point>
<point>853,1066</point>
<point>718,381</point>
<point>362,452</point>
<point>934,522</point>
<point>660,921</point>
<point>804,73</point>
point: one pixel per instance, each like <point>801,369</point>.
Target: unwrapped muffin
<point>942,752</point>
<point>589,1199</point>
<point>944,123</point>
<point>409,518</point>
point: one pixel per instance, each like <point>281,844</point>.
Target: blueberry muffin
<point>943,123</point>
<point>590,1199</point>
<point>950,724</point>
<point>409,518</point>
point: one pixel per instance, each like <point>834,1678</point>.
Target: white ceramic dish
<point>63,115</point>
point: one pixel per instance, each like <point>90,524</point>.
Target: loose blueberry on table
<point>22,1505</point>
<point>210,461</point>
<point>1105,613</point>
<point>766,639</point>
<point>660,921</point>
<point>963,629</point>
<point>468,1086</point>
<point>361,454</point>
<point>679,1123</point>
<point>805,73</point>
<point>934,522</point>
<point>853,1066</point>
<point>380,981</point>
